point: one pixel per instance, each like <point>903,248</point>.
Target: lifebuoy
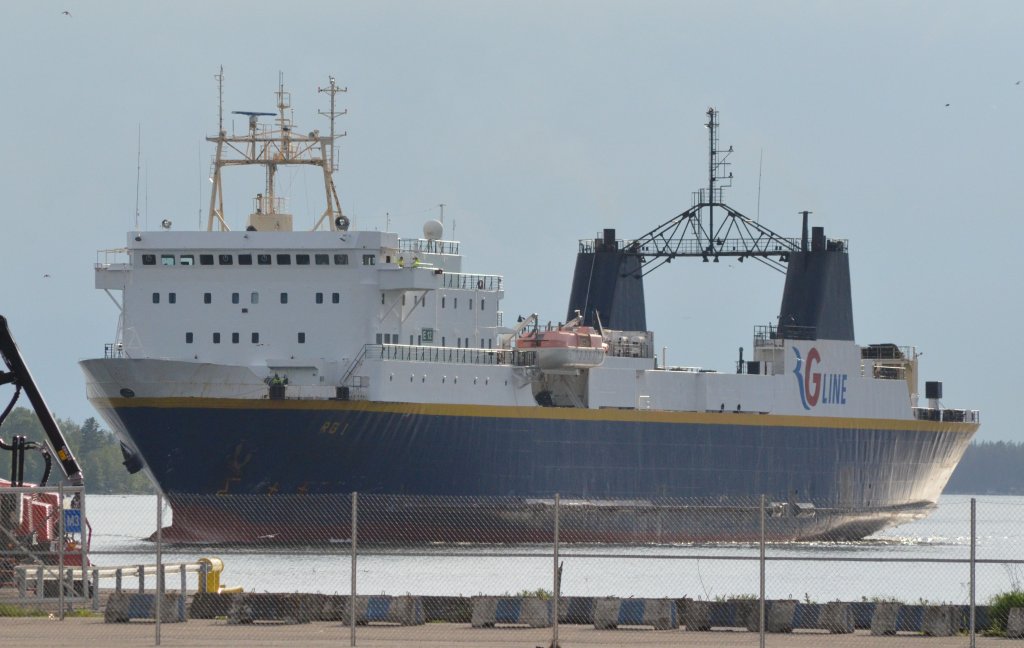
<point>480,284</point>
<point>341,222</point>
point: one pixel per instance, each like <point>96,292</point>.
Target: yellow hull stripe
<point>541,413</point>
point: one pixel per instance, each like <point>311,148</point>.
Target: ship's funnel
<point>816,303</point>
<point>608,281</point>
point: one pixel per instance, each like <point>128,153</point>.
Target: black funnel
<point>816,302</point>
<point>608,281</point>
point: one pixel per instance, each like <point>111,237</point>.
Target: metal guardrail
<point>35,577</point>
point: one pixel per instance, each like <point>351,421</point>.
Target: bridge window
<point>340,259</point>
<point>369,260</point>
<point>244,259</point>
<point>205,259</point>
<point>216,338</point>
<point>255,338</point>
<point>187,260</point>
<point>167,259</point>
<point>188,337</point>
<point>234,338</point>
<point>322,259</point>
<point>263,259</point>
<point>148,259</point>
<point>335,298</point>
<point>319,298</point>
<point>301,259</point>
<point>156,298</point>
<point>207,298</point>
<point>172,298</point>
<point>225,259</point>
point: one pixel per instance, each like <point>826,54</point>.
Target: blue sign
<point>72,521</point>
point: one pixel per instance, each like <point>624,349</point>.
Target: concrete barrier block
<point>576,610</point>
<point>883,621</point>
<point>123,607</point>
<point>614,612</point>
<point>280,608</point>
<point>210,605</point>
<point>939,621</point>
<point>837,618</point>
<point>1015,623</point>
<point>489,611</point>
<point>697,615</point>
<point>779,616</point>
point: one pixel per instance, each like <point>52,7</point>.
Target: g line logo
<point>816,387</point>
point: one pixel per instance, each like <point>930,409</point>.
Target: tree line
<point>988,467</point>
<point>97,450</point>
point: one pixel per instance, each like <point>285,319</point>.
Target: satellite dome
<point>433,230</point>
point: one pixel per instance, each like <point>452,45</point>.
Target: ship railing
<point>425,246</point>
<point>463,281</point>
<point>111,257</point>
<point>951,415</point>
<point>775,336</point>
<point>113,350</point>
<point>452,355</point>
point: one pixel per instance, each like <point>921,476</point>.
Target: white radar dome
<point>433,230</point>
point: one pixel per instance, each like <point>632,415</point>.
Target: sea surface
<point>925,560</point>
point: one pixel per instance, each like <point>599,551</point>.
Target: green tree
<point>97,450</point>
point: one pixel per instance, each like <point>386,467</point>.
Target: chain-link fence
<point>364,569</point>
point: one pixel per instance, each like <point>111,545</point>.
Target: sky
<point>536,124</point>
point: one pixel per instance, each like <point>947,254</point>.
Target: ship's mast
<point>692,234</point>
<point>271,147</point>
<point>333,215</point>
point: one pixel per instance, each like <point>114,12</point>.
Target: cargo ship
<point>262,375</point>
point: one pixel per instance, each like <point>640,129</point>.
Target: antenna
<point>138,173</point>
<point>716,171</point>
<point>220,100</point>
<point>760,163</point>
<point>332,114</point>
<point>442,212</point>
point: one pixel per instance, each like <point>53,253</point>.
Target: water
<point>816,572</point>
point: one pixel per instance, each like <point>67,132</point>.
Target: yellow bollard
<point>214,566</point>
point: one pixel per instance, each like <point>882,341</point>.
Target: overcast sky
<point>898,124</point>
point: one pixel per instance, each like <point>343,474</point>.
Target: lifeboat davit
<point>567,347</point>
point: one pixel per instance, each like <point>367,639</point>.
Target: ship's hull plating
<point>243,470</point>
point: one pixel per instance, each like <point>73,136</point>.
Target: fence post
<point>60,549</point>
<point>557,577</point>
<point>761,596</point>
<point>352,596</point>
<point>159,561</point>
<point>974,585</point>
<point>84,539</point>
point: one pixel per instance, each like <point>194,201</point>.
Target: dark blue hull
<point>237,470</point>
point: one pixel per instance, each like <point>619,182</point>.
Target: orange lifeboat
<point>566,347</point>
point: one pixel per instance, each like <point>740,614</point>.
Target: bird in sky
<point>66,13</point>
<point>46,276</point>
<point>947,105</point>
